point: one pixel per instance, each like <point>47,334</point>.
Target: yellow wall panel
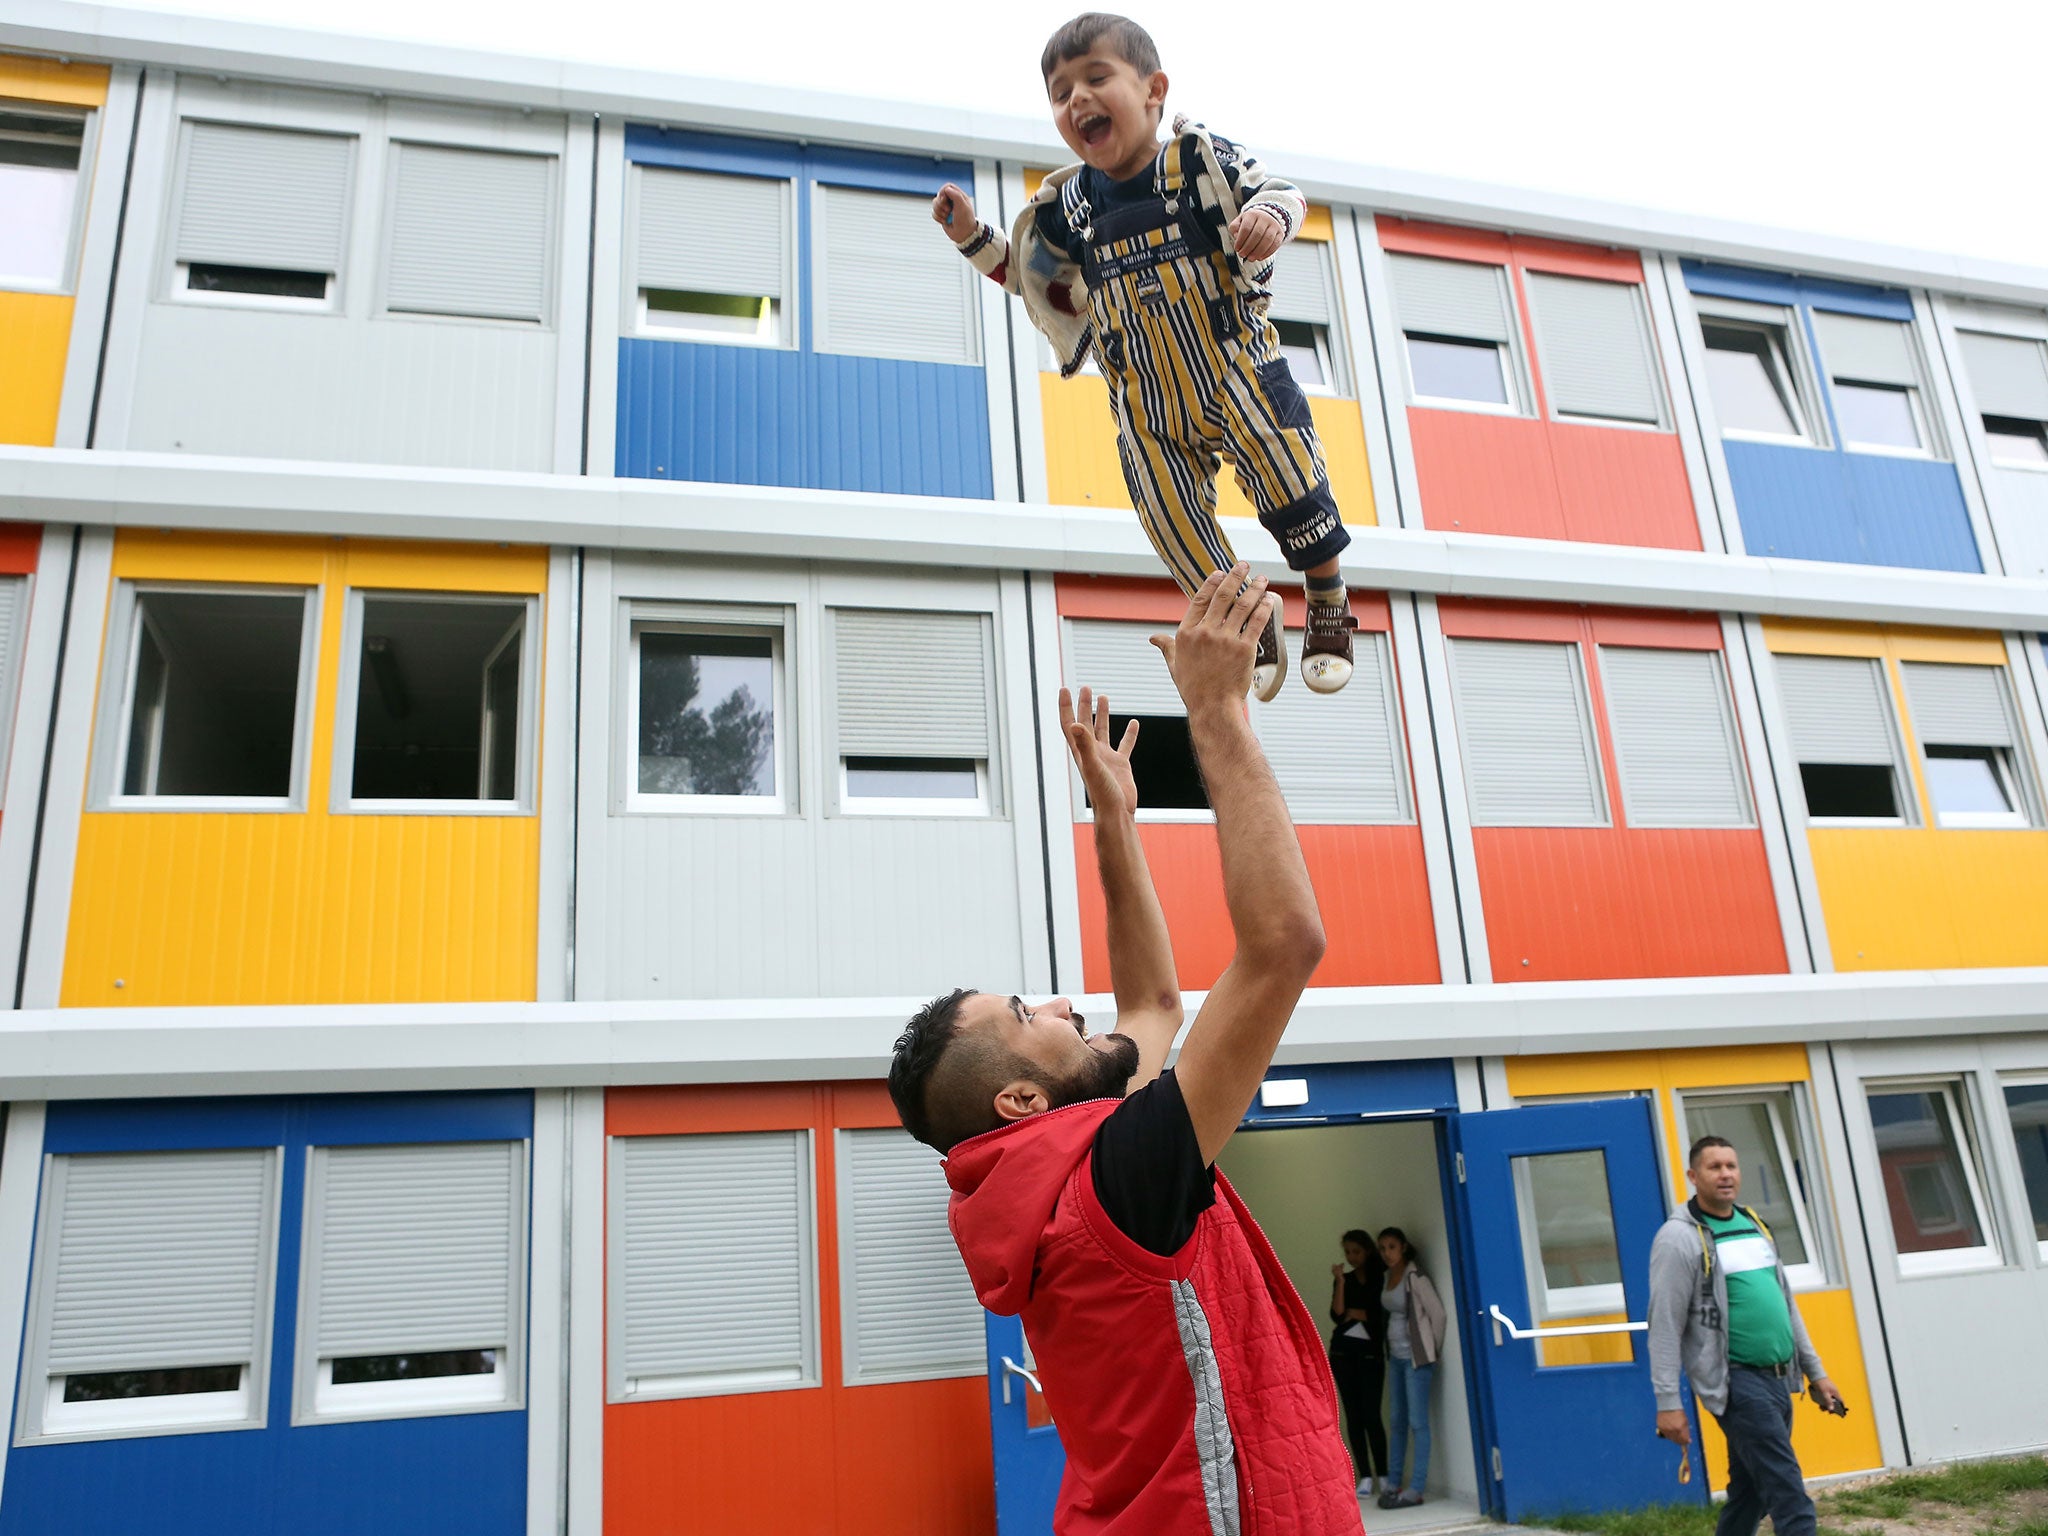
<point>307,906</point>
<point>1823,637</point>
<point>1591,1348</point>
<point>1827,1446</point>
<point>1912,898</point>
<point>48,80</point>
<point>35,335</point>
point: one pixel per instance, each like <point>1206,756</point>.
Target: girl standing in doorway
<point>1415,1340</point>
<point>1358,1354</point>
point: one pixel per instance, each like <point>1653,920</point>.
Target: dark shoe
<point>1407,1497</point>
<point>1326,647</point>
<point>1269,670</point>
<point>1389,1500</point>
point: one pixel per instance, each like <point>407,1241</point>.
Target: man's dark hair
<point>944,1082</point>
<point>1125,38</point>
<point>1692,1158</point>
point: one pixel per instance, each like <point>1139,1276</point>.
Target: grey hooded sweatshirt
<point>1689,1315</point>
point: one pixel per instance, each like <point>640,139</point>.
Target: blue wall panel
<point>461,1474</point>
<point>1865,509</point>
<point>1348,1089</point>
<point>1911,512</point>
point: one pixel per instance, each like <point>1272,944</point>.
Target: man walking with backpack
<point>1721,1306</point>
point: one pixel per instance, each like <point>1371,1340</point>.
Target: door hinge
<point>1461,1167</point>
<point>1496,1464</point>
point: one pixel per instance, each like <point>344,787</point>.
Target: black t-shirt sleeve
<point>1149,1173</point>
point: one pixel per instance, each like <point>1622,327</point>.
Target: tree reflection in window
<point>707,714</point>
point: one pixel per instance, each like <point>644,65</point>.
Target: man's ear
<point>1021,1099</point>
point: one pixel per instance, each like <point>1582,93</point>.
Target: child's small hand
<point>953,210</point>
<point>1256,233</point>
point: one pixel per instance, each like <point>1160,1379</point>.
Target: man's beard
<point>1106,1075</point>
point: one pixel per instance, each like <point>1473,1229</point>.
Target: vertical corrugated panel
<point>1858,347</point>
<point>264,197</point>
<point>881,286</point>
<point>1931,899</point>
<point>1619,487</point>
<point>157,1259</point>
<point>1371,883</point>
<point>713,1241</point>
<point>912,684</point>
<point>1339,759</point>
<point>879,424</point>
<point>1081,464</point>
<point>1436,297</point>
<point>1574,904</point>
<point>1118,659</point>
<point>887,926</point>
<point>2008,374</point>
<point>909,1309</point>
<point>705,233</point>
<point>1911,512</point>
<point>471,233</point>
<point>35,337</point>
<point>1839,708</point>
<point>1594,347</point>
<point>1958,706</point>
<point>1485,474</point>
<point>1864,508</point>
<point>1674,738</point>
<point>414,1247</point>
<point>394,390</point>
<point>1530,758</point>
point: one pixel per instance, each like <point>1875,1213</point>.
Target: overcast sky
<point>1917,125</point>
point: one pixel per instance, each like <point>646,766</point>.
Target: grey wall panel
<point>727,906</point>
<point>2018,499</point>
<point>213,379</point>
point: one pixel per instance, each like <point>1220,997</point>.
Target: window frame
<point>118,671</point>
<point>821,183</point>
<point>342,800</point>
<point>1510,373</point>
<point>1953,1093</point>
<point>2004,1082</point>
<point>1589,731</point>
<point>39,1395</point>
<point>1646,325</point>
<point>633,293</point>
<point>81,192</point>
<point>1731,735</point>
<point>2011,765</point>
<point>315,1397</point>
<point>1561,1304</point>
<point>1933,445</point>
<point>1332,347</point>
<point>986,802</point>
<point>954,809</point>
<point>779,624</point>
<point>1904,792</point>
<point>1784,330</point>
<point>1815,1273</point>
<point>1922,424</point>
<point>2024,466</point>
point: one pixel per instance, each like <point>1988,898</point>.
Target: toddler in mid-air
<point>1154,255</point>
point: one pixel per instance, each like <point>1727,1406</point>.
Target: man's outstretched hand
<point>1105,770</point>
<point>1211,654</point>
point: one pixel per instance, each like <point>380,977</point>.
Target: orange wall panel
<point>1579,903</point>
<point>1623,486</point>
<point>21,545</point>
<point>1371,882</point>
<point>1480,473</point>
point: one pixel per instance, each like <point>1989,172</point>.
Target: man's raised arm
<point>1272,905</point>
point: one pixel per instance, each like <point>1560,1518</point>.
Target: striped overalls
<point>1196,376</point>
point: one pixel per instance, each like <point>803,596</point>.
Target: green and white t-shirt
<point>1759,1323</point>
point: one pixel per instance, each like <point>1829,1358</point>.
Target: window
<point>1779,1182</point>
<point>1969,744</point>
<point>705,703</point>
<point>1339,758</point>
<point>712,256</point>
<point>913,704</point>
<point>262,214</point>
<point>1839,709</point>
<point>209,697</point>
<point>471,233</point>
<point>1527,735</point>
<point>151,1290</point>
<point>1304,312</point>
<point>1750,374</point>
<point>1569,1247</point>
<point>909,1306</point>
<point>1876,382</point>
<point>2027,1106</point>
<point>712,1281</point>
<point>437,696</point>
<point>1674,738</point>
<point>2009,380</point>
<point>1456,319</point>
<point>40,156</point>
<point>1119,662</point>
<point>1594,340</point>
<point>412,1294</point>
<point>884,286</point>
<point>1931,1182</point>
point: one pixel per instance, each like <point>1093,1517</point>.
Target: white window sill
<point>480,1393</point>
<point>713,338</point>
<point>1947,1261</point>
<point>2006,820</point>
<point>2019,466</point>
<point>268,303</point>
<point>1580,1301</point>
<point>647,1389</point>
<point>1778,439</point>
<point>433,808</point>
<point>706,805</point>
<point>1086,818</point>
<point>1887,451</point>
<point>1511,826</point>
<point>1475,407</point>
<point>1852,822</point>
<point>445,317</point>
<point>1565,419</point>
<point>33,285</point>
<point>168,1415</point>
<point>1806,1277</point>
<point>210,804</point>
<point>931,810</point>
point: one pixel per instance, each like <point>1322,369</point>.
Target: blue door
<point>1028,1457</point>
<point>1560,1203</point>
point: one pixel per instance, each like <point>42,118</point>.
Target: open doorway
<point>1308,1185</point>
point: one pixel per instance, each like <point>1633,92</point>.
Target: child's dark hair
<point>1407,1248</point>
<point>1129,41</point>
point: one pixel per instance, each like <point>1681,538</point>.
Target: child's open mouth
<point>1093,130</point>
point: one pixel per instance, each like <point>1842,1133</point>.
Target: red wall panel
<point>902,1459</point>
<point>1371,882</point>
<point>1621,485</point>
<point>20,543</point>
<point>1485,474</point>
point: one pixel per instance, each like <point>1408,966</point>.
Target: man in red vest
<point>1185,1375</point>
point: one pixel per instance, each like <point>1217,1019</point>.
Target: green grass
<point>1657,1520</point>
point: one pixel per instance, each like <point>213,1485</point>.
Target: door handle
<point>1502,1320</point>
<point>1012,1368</point>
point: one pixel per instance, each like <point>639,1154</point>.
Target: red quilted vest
<point>1191,1393</point>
